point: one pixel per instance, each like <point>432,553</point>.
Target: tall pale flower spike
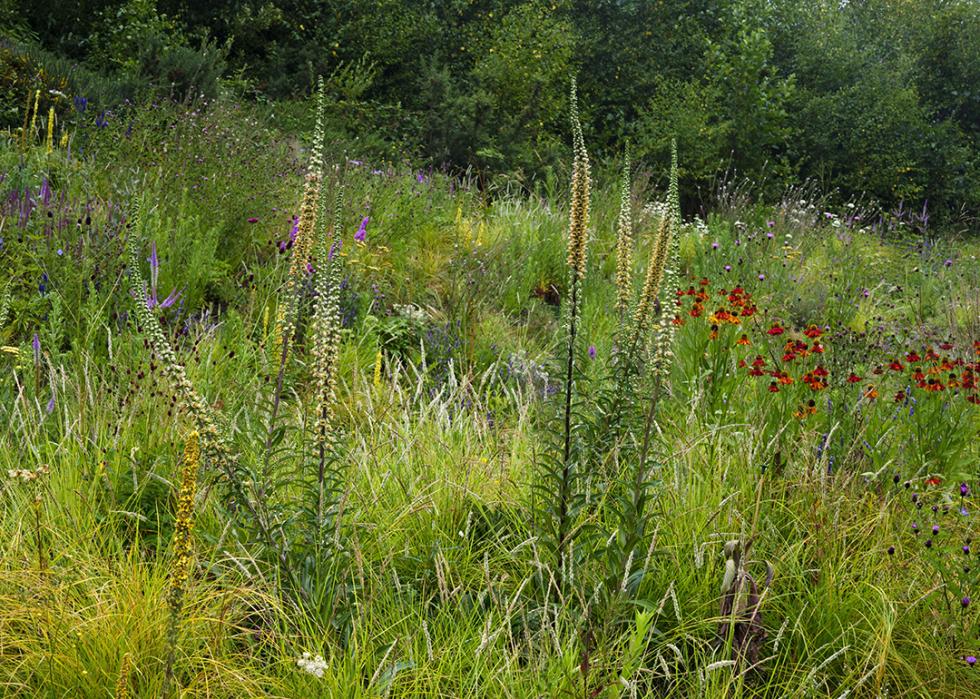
<point>578,235</point>
<point>581,185</point>
<point>326,324</point>
<point>651,283</point>
<point>663,349</point>
<point>326,340</point>
<point>624,245</point>
<point>180,568</point>
<point>304,242</point>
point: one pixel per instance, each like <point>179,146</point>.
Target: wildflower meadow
<point>284,415</point>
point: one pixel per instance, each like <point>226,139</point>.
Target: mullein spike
<point>624,244</point>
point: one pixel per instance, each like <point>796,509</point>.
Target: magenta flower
<point>253,220</point>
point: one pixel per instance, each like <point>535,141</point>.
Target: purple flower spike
<point>50,406</point>
<point>36,346</point>
<point>361,234</point>
<point>153,259</point>
<point>592,351</point>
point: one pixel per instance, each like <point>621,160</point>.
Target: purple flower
<point>762,277</point>
<point>770,223</point>
<point>966,549</point>
<point>419,177</point>
<point>971,660</point>
<point>252,219</point>
<point>50,406</point>
<point>770,235</point>
<point>714,245</point>
<point>362,231</point>
<point>891,550</point>
<point>153,259</point>
<point>948,263</point>
<point>964,490</point>
<point>935,529</point>
<point>36,346</point>
<point>592,351</point>
<point>60,252</point>
<point>965,602</point>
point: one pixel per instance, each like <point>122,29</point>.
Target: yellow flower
<point>377,369</point>
<point>50,146</point>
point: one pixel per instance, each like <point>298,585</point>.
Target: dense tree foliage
<point>873,96</point>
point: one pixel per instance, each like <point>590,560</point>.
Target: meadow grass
<point>438,557</point>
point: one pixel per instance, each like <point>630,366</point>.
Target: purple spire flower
<point>36,346</point>
<point>362,231</point>
<point>50,406</point>
<point>592,351</point>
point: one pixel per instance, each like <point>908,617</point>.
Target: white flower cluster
<point>411,312</point>
<point>312,664</point>
<point>657,209</point>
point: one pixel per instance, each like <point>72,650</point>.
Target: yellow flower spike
<point>122,684</point>
<point>30,132</point>
<point>64,140</point>
<point>182,560</point>
<point>377,369</point>
<point>50,141</point>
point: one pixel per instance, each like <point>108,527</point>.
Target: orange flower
<point>744,340</point>
<point>870,392</point>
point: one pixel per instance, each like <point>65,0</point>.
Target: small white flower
<point>312,664</point>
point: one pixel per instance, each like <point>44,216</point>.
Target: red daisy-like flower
<point>854,378</point>
<point>776,330</point>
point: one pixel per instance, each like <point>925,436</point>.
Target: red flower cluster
<point>928,370</point>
